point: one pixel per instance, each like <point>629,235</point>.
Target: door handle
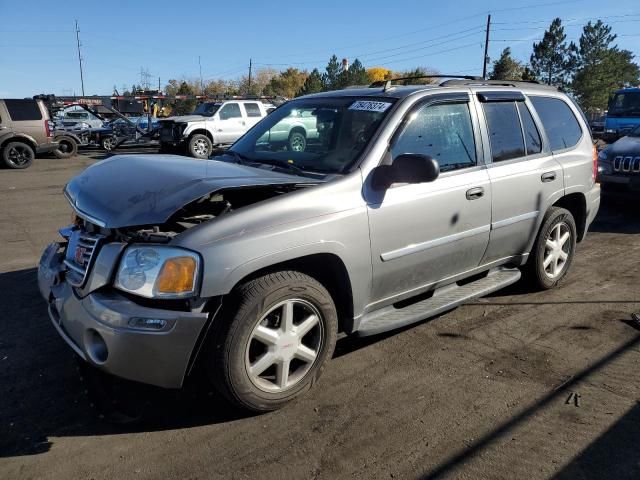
<point>475,193</point>
<point>548,177</point>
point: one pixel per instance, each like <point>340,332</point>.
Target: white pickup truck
<point>211,124</point>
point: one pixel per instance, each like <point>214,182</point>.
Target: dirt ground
<point>517,385</point>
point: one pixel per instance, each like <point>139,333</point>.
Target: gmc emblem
<point>79,255</point>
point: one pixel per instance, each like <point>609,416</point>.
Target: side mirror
<point>406,168</point>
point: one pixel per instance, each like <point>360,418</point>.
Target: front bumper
<point>96,327</point>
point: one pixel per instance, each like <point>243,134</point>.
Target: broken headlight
<point>158,271</point>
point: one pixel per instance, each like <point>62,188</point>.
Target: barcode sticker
<point>370,106</point>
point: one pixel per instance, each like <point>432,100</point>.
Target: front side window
<point>442,131</point>
<point>505,134</point>
<point>558,121</point>
<point>252,109</point>
<point>21,110</point>
<point>321,136</point>
<point>532,140</point>
<point>230,110</point>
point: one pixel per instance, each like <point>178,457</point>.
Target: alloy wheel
<point>19,155</point>
<point>284,345</point>
<point>557,250</point>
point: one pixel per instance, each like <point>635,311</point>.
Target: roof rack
<point>387,84</point>
<point>502,83</point>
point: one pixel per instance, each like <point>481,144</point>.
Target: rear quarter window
<point>559,122</point>
<point>22,110</point>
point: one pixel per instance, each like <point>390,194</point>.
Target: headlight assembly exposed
<point>158,272</point>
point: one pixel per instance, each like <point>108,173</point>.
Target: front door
<point>425,233</point>
<point>230,124</point>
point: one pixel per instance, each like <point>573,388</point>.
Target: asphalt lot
<point>485,391</point>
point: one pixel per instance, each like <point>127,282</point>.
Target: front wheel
<point>274,342</point>
<point>67,147</point>
<point>17,155</point>
<point>108,143</point>
<point>553,250</point>
<point>200,146</point>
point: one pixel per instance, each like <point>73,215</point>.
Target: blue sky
<point>38,44</point>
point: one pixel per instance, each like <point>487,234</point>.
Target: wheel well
<point>326,268</point>
<point>576,203</point>
<point>19,139</point>
<point>202,131</point>
<point>298,129</point>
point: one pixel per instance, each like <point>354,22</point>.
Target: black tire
<point>297,141</point>
<point>17,155</point>
<point>108,143</point>
<point>229,361</point>
<point>200,146</point>
<point>541,277</point>
<point>67,147</point>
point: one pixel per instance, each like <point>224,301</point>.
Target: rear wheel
<point>17,155</point>
<point>200,146</point>
<point>67,147</point>
<point>553,250</point>
<point>108,143</point>
<point>275,341</point>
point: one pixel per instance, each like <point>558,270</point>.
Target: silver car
<point>404,203</point>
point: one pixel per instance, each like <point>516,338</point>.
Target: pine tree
<point>331,77</point>
<point>553,61</point>
<point>357,74</point>
<point>506,68</point>
<point>313,83</point>
<point>602,67</point>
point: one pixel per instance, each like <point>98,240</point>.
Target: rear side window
<point>559,122</point>
<point>505,133</point>
<point>532,140</point>
<point>252,109</point>
<point>21,110</point>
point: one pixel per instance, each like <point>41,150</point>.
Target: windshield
<point>323,135</point>
<point>625,104</point>
<point>635,132</point>
<point>207,109</point>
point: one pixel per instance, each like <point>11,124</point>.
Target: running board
<point>443,299</point>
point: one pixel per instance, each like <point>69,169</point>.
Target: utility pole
<point>485,59</point>
<point>79,56</point>
<point>159,85</point>
<point>201,83</point>
<point>249,87</point>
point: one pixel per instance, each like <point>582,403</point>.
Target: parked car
<point>211,124</point>
<point>411,201</point>
<point>619,163</point>
<point>623,114</point>
<point>79,119</point>
<point>25,130</point>
<point>129,131</point>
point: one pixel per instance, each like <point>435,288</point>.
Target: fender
<point>13,137</point>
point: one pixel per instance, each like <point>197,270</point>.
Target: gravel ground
<point>516,385</point>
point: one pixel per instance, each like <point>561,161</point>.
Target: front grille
<point>626,164</point>
<point>81,250</point>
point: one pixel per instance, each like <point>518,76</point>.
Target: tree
<point>507,68</point>
<point>331,77</point>
<point>354,75</point>
<point>602,67</point>
<point>313,83</point>
<point>259,81</point>
<point>552,60</point>
<point>418,72</point>
<point>183,107</point>
<point>287,83</point>
<point>377,74</point>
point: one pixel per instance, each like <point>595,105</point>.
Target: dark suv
<point>25,130</point>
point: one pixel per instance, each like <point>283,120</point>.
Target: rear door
<point>253,113</point>
<point>231,123</point>
<point>525,178</point>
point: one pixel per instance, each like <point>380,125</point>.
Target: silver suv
<point>406,202</point>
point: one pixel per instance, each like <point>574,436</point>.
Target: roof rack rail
<point>500,83</point>
<point>387,84</point>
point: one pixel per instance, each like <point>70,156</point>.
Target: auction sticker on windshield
<point>370,106</point>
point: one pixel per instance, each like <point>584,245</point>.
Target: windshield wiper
<point>238,157</point>
<point>278,163</point>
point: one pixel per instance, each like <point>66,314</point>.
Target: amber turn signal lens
<point>177,275</point>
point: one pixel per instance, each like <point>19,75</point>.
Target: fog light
<point>148,323</point>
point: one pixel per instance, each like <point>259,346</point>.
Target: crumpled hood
<point>188,118</point>
<point>626,146</point>
<point>130,190</point>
